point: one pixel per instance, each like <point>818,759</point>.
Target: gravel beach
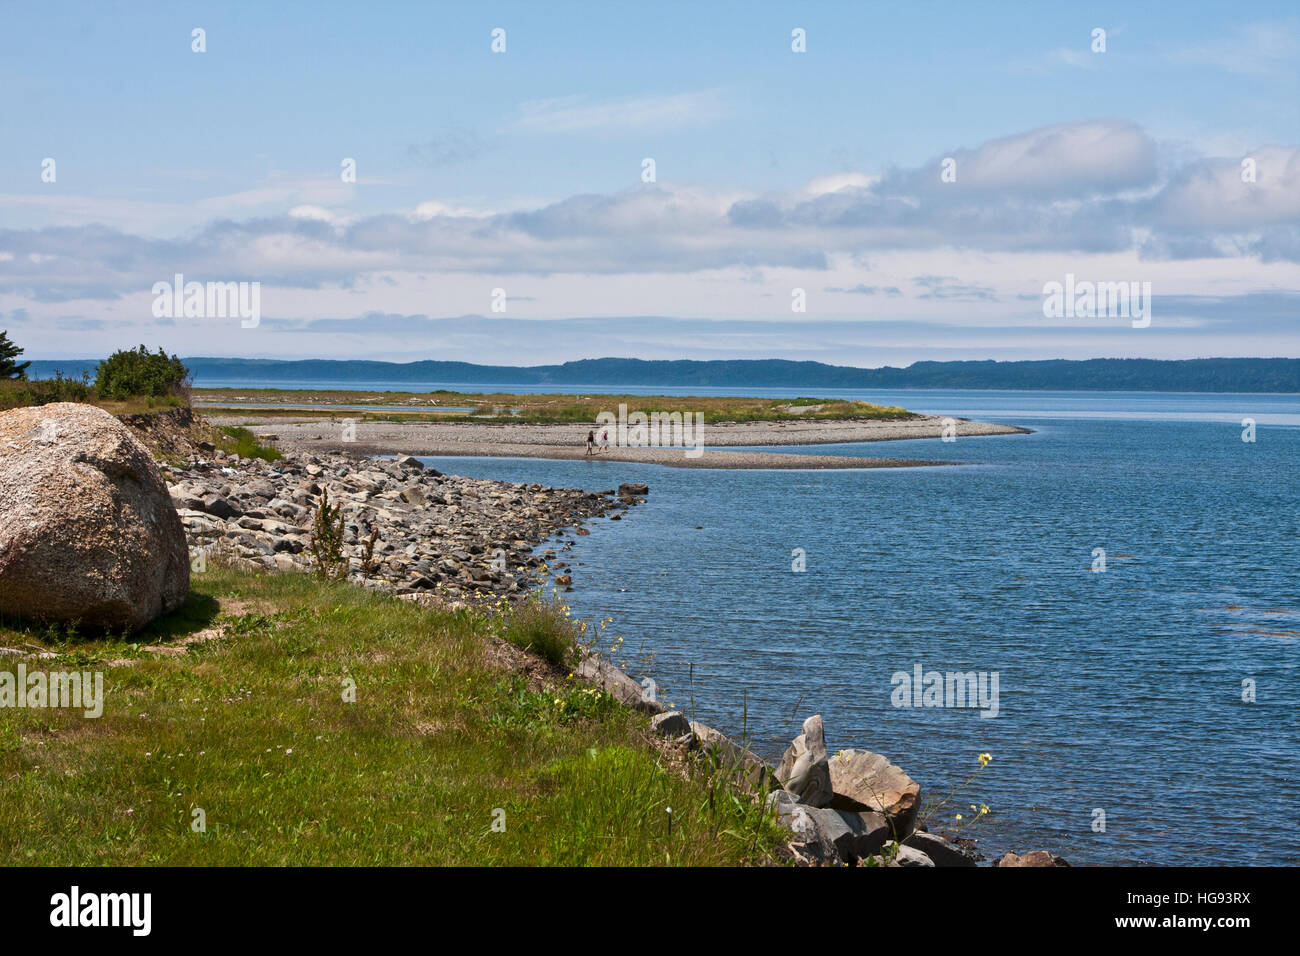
<point>566,441</point>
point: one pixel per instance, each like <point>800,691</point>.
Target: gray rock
<point>811,843</point>
<point>747,769</point>
<point>834,828</point>
<point>942,852</point>
<point>783,801</point>
<point>909,856</point>
<point>805,769</point>
<point>219,507</point>
<point>600,672</point>
<point>670,724</point>
<point>871,831</point>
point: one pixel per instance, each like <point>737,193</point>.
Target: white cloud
<point>833,183</point>
<point>640,113</point>
<point>1066,159</point>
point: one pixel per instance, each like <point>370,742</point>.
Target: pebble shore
<point>441,538</point>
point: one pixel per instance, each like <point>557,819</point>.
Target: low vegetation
<point>286,720</point>
<point>234,440</point>
<point>327,535</point>
<point>22,392</point>
<point>126,382</point>
<point>450,406</point>
<point>541,627</point>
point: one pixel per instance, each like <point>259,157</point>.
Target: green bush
<point>22,393</point>
<point>126,374</point>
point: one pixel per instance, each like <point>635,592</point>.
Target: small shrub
<point>368,562</point>
<point>126,374</point>
<point>327,539</point>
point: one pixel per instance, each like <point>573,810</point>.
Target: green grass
<point>557,408</point>
<point>253,728</point>
<point>240,441</point>
<point>542,627</point>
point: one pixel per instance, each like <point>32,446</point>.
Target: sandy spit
<point>566,442</point>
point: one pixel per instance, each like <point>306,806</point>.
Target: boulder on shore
<point>862,780</point>
<point>804,770</point>
<point>88,533</point>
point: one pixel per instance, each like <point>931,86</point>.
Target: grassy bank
<point>252,726</point>
<point>540,409</point>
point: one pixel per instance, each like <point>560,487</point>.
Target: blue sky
<point>775,171</point>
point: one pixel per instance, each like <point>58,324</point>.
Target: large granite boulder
<point>88,533</point>
<point>861,780</point>
<point>804,770</point>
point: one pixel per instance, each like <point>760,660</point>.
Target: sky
<point>906,187</point>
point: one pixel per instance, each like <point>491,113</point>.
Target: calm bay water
<point>1119,690</point>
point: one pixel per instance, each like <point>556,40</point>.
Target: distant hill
<point>1156,375</point>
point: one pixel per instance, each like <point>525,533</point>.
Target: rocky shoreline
<point>850,808</point>
<point>438,538</point>
<point>448,540</point>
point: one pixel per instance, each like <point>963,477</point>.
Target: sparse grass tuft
<point>541,625</point>
<point>240,441</point>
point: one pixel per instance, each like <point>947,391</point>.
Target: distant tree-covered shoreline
<point>1105,374</point>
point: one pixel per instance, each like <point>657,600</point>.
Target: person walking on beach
<point>604,440</point>
<point>591,441</point>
